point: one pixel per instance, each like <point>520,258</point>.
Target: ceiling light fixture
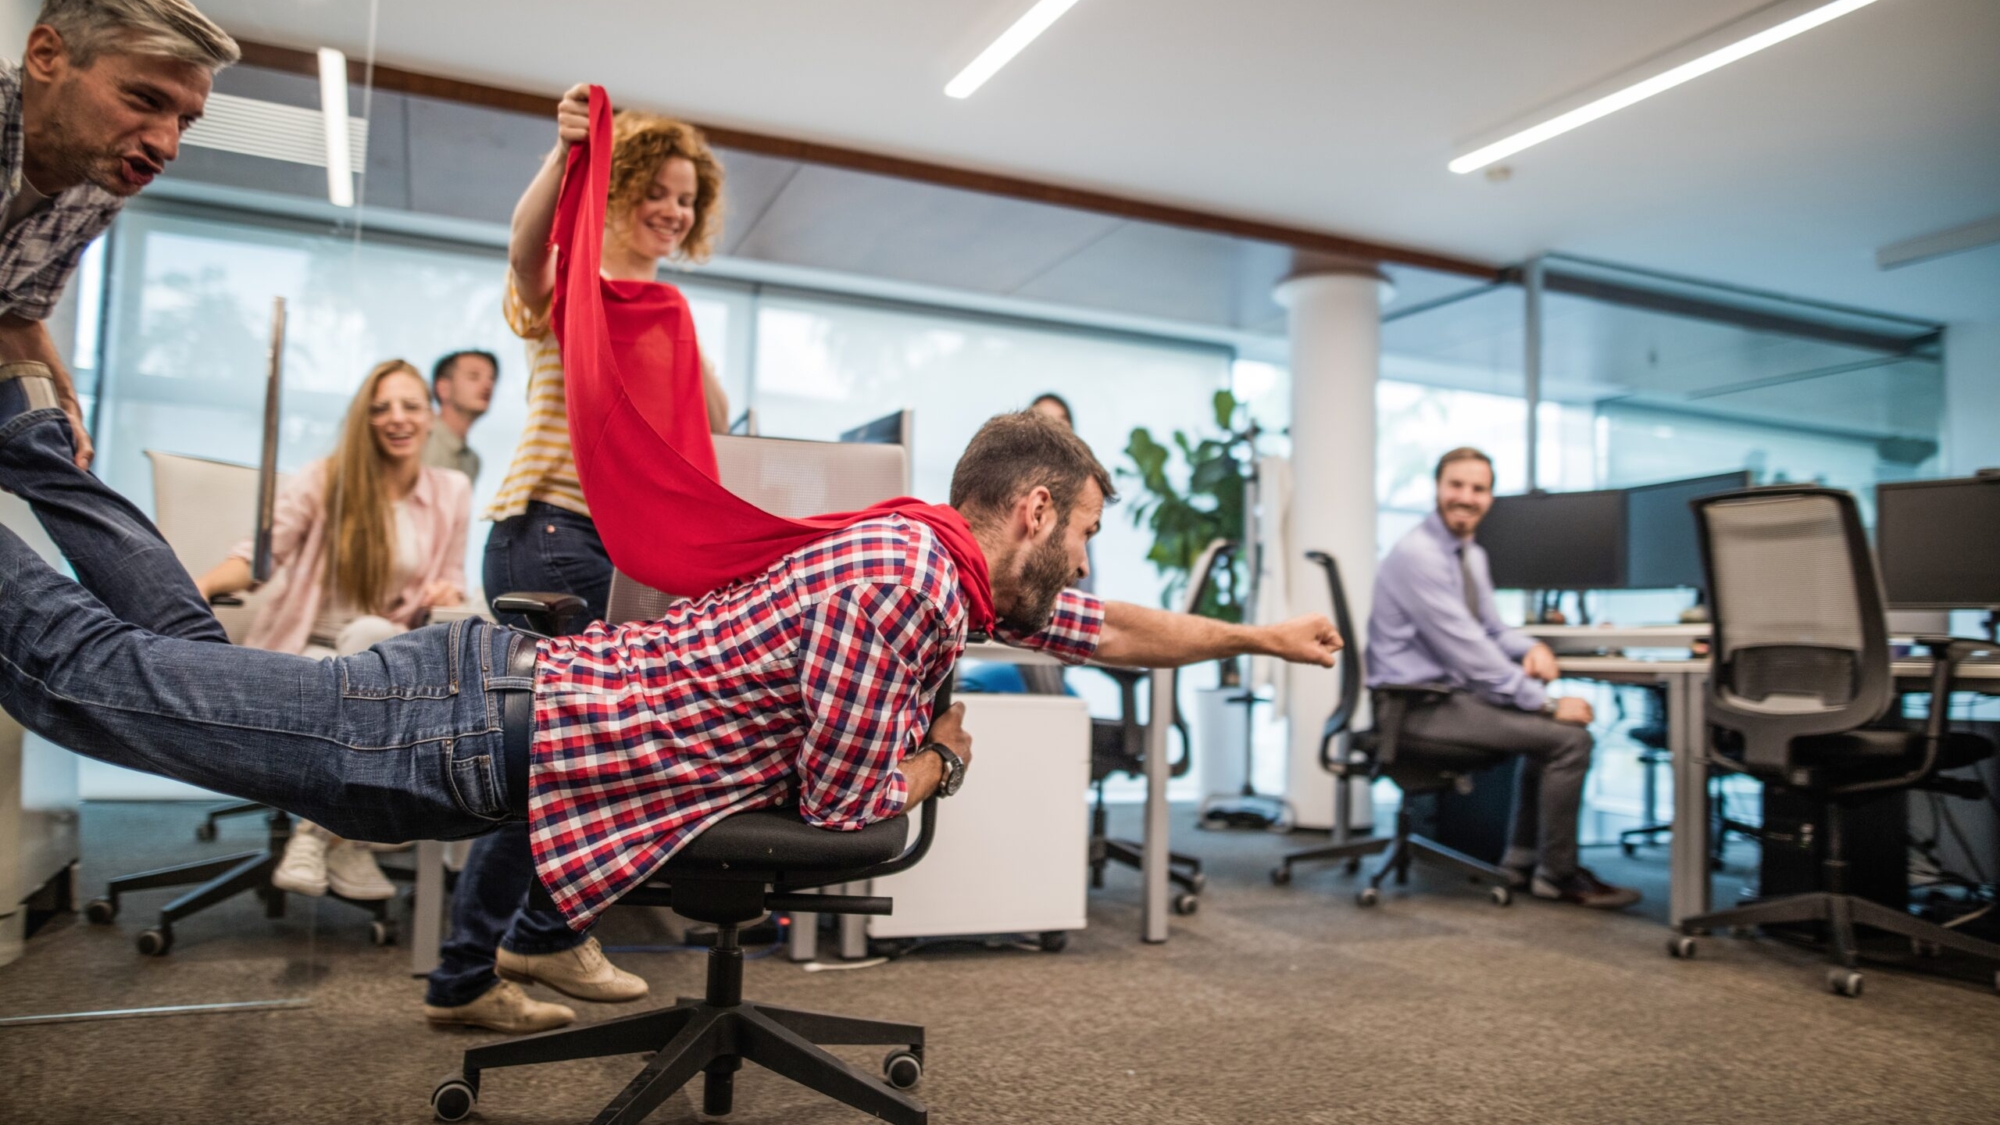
<point>333,114</point>
<point>1003,49</point>
<point>1735,45</point>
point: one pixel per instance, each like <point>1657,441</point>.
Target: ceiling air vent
<point>255,127</point>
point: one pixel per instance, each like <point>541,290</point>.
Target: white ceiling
<point>1785,171</point>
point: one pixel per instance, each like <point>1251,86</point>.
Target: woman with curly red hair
<point>664,206</point>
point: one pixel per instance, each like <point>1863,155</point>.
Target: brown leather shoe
<point>582,972</point>
<point>1584,889</point>
<point>505,1008</point>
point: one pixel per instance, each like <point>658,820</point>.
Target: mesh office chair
<point>742,868</point>
<point>1416,768</point>
<point>1800,681</point>
<point>1119,746</point>
<point>201,508</point>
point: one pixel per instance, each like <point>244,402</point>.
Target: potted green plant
<point>1190,505</point>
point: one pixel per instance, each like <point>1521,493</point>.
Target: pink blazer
<point>290,602</point>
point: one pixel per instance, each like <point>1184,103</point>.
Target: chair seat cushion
<point>776,840</point>
<point>1421,765</point>
<point>1871,753</point>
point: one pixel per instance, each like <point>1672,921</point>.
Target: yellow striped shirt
<point>542,468</point>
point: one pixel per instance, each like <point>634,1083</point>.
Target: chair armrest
<point>1947,653</point>
<point>549,614</point>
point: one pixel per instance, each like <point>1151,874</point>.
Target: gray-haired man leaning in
<point>94,111</point>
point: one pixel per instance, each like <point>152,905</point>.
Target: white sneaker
<point>303,870</point>
<point>582,972</point>
<point>352,873</point>
<point>504,1008</point>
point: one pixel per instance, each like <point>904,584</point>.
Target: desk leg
<point>427,908</point>
<point>1688,887</point>
<point>1153,868</point>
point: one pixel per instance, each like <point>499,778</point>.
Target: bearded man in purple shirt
<point>1434,621</point>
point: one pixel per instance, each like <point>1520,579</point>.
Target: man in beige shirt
<point>462,383</point>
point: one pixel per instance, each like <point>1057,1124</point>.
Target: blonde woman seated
<point>366,542</point>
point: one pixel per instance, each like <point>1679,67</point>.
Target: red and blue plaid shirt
<point>808,682</point>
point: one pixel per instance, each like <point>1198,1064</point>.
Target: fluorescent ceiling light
<point>1003,50</point>
<point>333,114</point>
<point>1639,91</point>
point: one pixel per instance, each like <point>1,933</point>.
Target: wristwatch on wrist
<point>1549,708</point>
<point>954,767</point>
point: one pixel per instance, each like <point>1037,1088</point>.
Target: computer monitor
<point>1663,549</point>
<point>1938,543</point>
<point>1556,540</point>
<point>889,429</point>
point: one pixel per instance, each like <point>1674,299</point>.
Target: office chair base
<point>219,880</point>
<point>1353,852</point>
<point>1840,914</point>
<point>1409,848</point>
<point>1184,870</point>
<point>712,1036</point>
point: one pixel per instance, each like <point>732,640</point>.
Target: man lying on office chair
<point>810,680</point>
<point>1434,621</point>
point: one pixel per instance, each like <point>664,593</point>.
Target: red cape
<point>638,424</point>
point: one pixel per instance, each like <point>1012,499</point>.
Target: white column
<point>1971,397</point>
<point>1335,330</point>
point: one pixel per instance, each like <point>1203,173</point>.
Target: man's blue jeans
<point>400,742</point>
<point>546,549</point>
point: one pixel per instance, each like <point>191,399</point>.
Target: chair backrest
<point>1349,699</point>
<point>203,508</point>
<point>1801,641</point>
<point>786,478</point>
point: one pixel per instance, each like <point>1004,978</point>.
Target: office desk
<point>1686,684</point>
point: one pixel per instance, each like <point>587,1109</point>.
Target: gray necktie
<point>1471,587</point>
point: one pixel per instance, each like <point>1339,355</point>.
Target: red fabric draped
<point>638,424</point>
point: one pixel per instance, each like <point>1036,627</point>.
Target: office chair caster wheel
<point>1501,896</point>
<point>902,1069</point>
<point>205,832</point>
<point>100,911</point>
<point>1629,848</point>
<point>1844,982</point>
<point>1053,941</point>
<point>453,1099</point>
<point>1280,876</point>
<point>1681,948</point>
<point>1368,896</point>
<point>382,932</point>
<point>156,942</point>
<point>1186,903</point>
<point>1197,882</point>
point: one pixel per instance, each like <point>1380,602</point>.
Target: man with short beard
<point>1434,621</point>
<point>95,110</point>
<point>808,683</point>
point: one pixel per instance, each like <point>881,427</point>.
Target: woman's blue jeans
<point>547,549</point>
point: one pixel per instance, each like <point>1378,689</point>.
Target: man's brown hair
<point>1014,453</point>
<point>1462,453</point>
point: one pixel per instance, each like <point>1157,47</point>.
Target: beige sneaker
<point>303,870</point>
<point>504,1007</point>
<point>582,972</point>
<point>352,873</point>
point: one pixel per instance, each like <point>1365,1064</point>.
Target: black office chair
<point>1416,768</point>
<point>1119,746</point>
<point>1798,692</point>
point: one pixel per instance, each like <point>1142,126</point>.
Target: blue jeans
<point>547,549</point>
<point>400,742</point>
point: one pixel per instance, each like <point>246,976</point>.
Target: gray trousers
<point>1555,758</point>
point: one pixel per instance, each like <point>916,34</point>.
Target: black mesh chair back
<point>1800,637</point>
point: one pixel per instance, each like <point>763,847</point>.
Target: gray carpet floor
<point>1270,1004</point>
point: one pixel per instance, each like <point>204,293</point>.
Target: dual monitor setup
<point>1937,542</point>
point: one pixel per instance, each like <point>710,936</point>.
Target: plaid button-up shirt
<point>38,254</point>
<point>808,682</point>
